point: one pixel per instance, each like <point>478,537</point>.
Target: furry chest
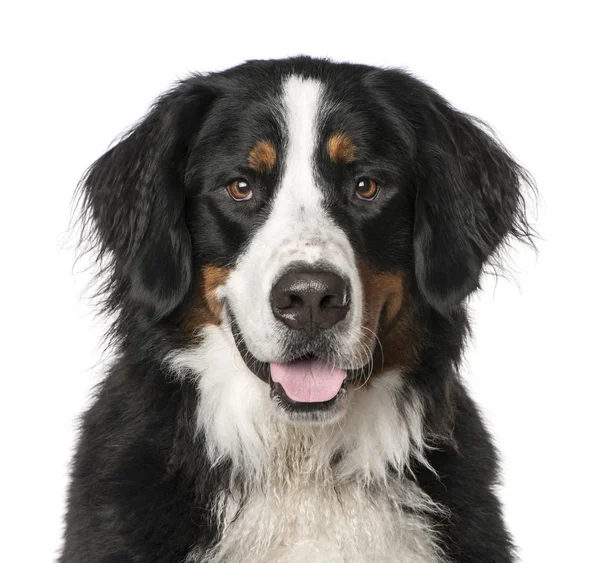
<point>293,524</point>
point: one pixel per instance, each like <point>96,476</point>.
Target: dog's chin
<point>294,403</point>
<point>322,412</point>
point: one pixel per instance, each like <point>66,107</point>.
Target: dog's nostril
<point>310,300</point>
<point>288,302</point>
<point>330,301</point>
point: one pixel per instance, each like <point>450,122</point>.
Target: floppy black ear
<point>133,200</point>
<point>468,200</point>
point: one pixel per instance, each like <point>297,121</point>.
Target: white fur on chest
<point>319,523</point>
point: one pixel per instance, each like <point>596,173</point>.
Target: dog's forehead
<point>340,114</point>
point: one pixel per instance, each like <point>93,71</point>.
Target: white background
<point>76,75</point>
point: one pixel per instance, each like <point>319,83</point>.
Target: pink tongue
<point>309,381</point>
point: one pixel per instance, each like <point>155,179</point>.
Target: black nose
<point>310,300</point>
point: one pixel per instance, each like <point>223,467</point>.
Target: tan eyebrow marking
<point>341,148</point>
<point>262,157</point>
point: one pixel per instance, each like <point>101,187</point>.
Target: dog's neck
<point>380,430</point>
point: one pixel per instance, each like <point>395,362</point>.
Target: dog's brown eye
<point>240,190</point>
<point>366,189</point>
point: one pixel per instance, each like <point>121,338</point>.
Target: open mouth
<point>305,384</point>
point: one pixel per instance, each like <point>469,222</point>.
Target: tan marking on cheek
<point>387,312</point>
<point>207,307</point>
<point>262,157</point>
<point>341,148</point>
<point>383,293</point>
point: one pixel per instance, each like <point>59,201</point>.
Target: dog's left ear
<point>468,193</point>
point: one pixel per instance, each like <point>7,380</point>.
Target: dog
<point>285,250</point>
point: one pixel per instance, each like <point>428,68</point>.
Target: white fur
<point>300,506</point>
<point>312,522</point>
<point>298,229</point>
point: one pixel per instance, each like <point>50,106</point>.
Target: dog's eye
<point>240,190</point>
<point>366,189</point>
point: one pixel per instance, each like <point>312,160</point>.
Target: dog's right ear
<point>133,203</point>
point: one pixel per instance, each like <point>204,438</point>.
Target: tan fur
<point>341,148</point>
<point>387,300</point>
<point>207,309</point>
<point>262,157</point>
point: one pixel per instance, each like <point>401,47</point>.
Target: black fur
<point>142,488</point>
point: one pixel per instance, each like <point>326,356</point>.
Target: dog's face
<point>316,211</point>
<point>298,191</point>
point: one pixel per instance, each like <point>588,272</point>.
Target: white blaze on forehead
<point>298,229</point>
<point>301,102</point>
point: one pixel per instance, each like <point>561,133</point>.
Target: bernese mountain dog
<point>285,251</point>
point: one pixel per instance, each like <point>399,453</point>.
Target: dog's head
<point>315,211</point>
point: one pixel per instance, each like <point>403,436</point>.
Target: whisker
<point>370,363</point>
